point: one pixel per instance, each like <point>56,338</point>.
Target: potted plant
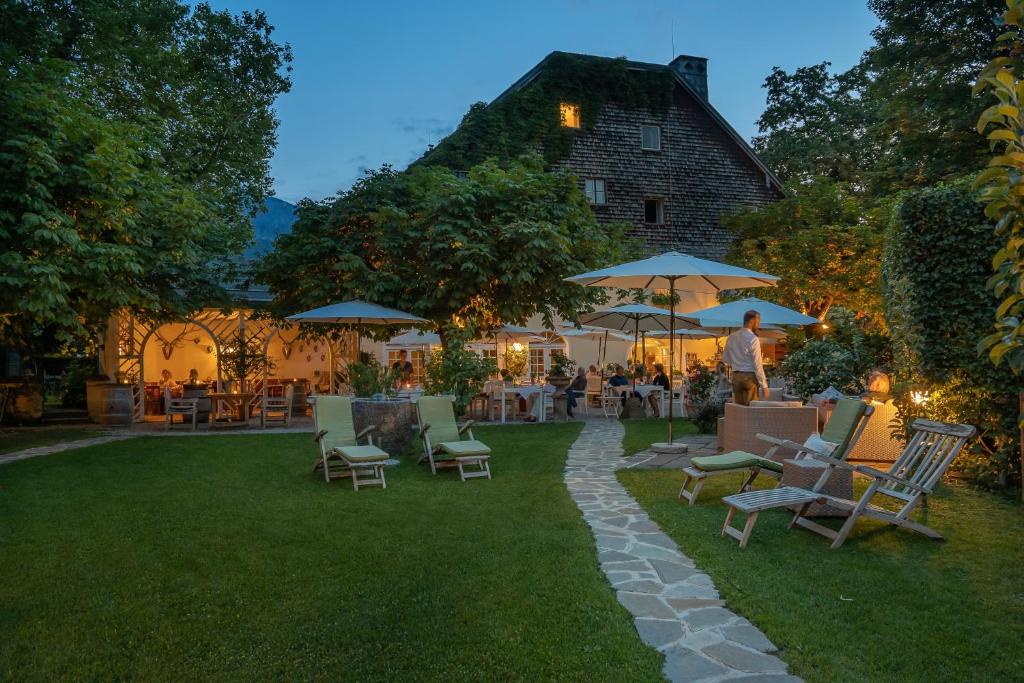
<point>375,405</point>
<point>243,358</point>
<point>560,375</point>
<point>517,361</point>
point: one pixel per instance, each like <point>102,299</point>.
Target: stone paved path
<point>63,446</point>
<point>674,605</point>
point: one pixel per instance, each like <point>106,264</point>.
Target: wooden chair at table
<point>594,384</point>
<point>277,408</point>
<point>179,406</point>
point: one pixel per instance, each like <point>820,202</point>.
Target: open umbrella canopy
<point>514,333</point>
<point>731,314</point>
<point>593,335</point>
<point>673,270</point>
<point>635,318</point>
<point>416,338</point>
<point>356,312</point>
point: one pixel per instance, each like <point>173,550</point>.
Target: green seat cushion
<point>458,449</point>
<point>736,460</point>
<point>843,423</point>
<point>362,453</point>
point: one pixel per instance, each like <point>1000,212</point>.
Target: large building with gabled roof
<point>648,147</point>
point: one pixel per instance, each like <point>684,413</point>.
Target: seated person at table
<point>165,379</point>
<point>619,380</point>
<point>592,371</point>
<point>578,387</point>
<point>661,380</point>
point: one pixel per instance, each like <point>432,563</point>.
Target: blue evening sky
<point>375,82</point>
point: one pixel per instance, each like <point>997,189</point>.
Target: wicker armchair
<point>738,430</point>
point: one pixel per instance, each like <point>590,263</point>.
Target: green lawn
<point>17,439</point>
<point>889,605</point>
<point>224,557</point>
<point>642,432</point>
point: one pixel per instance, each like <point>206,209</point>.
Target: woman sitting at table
<point>660,379</point>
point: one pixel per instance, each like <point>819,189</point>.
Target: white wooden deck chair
<point>340,453</point>
<point>179,406</point>
<point>912,477</point>
<point>443,442</point>
<point>847,423</point>
<point>277,408</point>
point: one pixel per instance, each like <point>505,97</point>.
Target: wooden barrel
<point>94,397</point>
<point>203,405</point>
<point>116,406</point>
<point>299,397</point>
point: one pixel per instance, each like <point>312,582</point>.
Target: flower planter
<point>393,418</point>
<point>560,400</point>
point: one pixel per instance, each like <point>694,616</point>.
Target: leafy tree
<point>136,144</point>
<point>823,241</point>
<point>902,117</point>
<point>814,124</point>
<point>1002,189</point>
<point>466,254</point>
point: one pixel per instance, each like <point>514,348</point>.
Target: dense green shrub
<point>822,363</point>
<point>369,378</point>
<point>457,371</point>
<point>937,260</point>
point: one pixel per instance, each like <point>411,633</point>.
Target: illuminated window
<point>570,115</point>
<point>594,188</point>
<point>650,138</point>
<point>538,367</point>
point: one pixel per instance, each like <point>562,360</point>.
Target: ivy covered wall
<point>529,118</point>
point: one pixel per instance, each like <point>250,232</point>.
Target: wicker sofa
<point>738,430</point>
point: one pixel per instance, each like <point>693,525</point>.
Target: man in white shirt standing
<point>743,354</point>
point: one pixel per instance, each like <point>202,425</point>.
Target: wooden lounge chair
<point>179,406</point>
<point>340,453</point>
<point>443,442</point>
<point>848,421</point>
<point>277,408</point>
<point>912,477</point>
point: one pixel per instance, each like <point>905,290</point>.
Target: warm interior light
<point>516,346</point>
<point>570,114</point>
<point>919,397</point>
<point>824,326</point>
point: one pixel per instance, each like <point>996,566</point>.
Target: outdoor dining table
<point>525,392</point>
<point>644,390</point>
<point>239,404</point>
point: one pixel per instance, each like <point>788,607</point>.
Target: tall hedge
<point>938,257</point>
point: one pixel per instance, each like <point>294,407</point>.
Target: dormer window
<point>570,114</point>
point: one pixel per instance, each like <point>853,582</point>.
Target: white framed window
<point>650,138</point>
<point>595,190</point>
<point>416,356</point>
<point>654,211</point>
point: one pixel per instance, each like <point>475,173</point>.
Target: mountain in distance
<point>276,219</point>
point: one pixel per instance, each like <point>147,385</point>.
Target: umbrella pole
<point>636,341</point>
<point>671,348</point>
<point>643,351</point>
<point>604,350</point>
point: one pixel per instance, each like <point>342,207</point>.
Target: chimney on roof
<point>693,70</point>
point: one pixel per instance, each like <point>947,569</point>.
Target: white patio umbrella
<point>416,338</point>
<point>636,318</point>
<point>675,271</point>
<point>356,312</point>
<point>599,335</point>
<point>731,314</point>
